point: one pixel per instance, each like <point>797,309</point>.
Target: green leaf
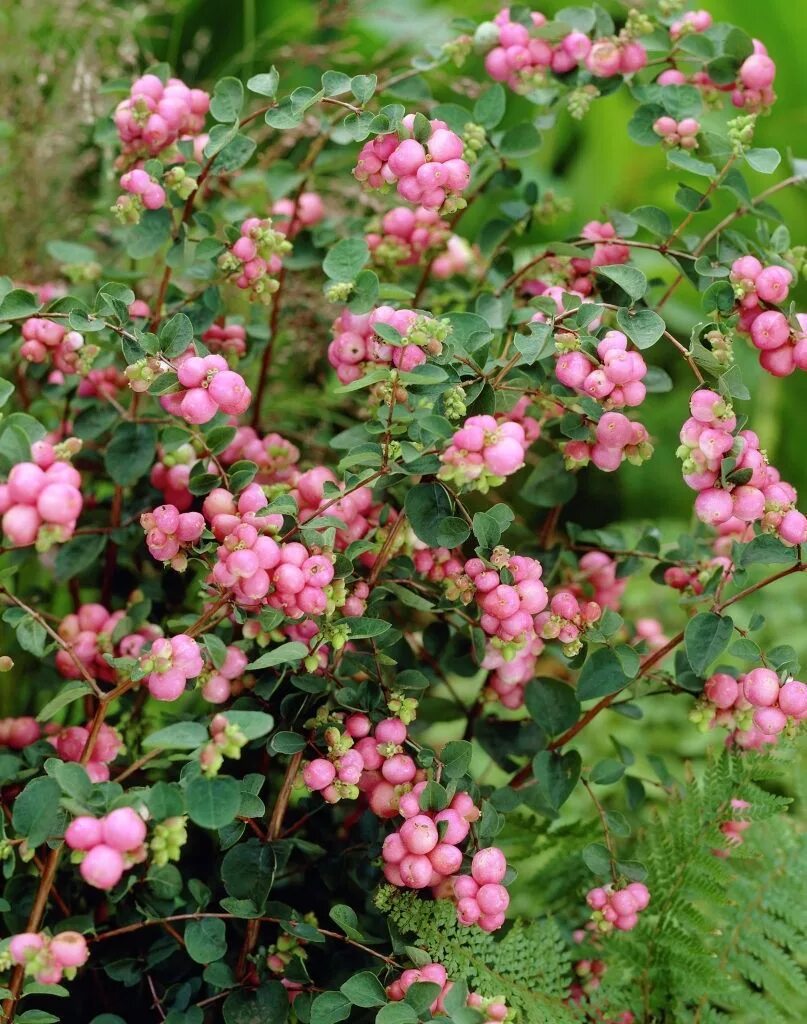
<point>763,160</point>
<point>130,453</point>
<point>205,940</point>
<point>766,550</point>
<point>345,259</point>
<point>520,141</point>
<point>607,771</point>
<point>556,775</point>
<point>363,87</point>
<point>282,655</point>
<point>265,84</point>
<point>680,158</point>
<point>286,742</point>
<point>329,1007</point>
<point>597,859</point>
<point>335,83</point>
<point>552,704</point>
<point>148,236</point>
<point>643,327</point>
<point>37,815</point>
<point>396,1013</point>
<point>248,871</point>
<point>489,108</point>
<point>7,389</point>
<point>603,673</point>
<point>91,423</point>
<point>364,989</point>
<point>429,510</point>
<point>78,554</point>
<point>18,304</point>
<point>253,724</point>
<point>346,918</point>
<point>213,803</point>
<point>705,638</point>
<point>32,636</point>
<point>269,1003</point>
<point>180,736</point>
<point>630,280</point>
<point>70,691</point>
<point>175,335</point>
<point>361,627</point>
<point>456,758</point>
<point>228,99</point>
<point>72,778</point>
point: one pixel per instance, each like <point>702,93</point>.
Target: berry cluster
<point>616,439</point>
<point>683,133</point>
<point>493,1010</point>
<point>690,21</point>
<point>729,702</point>
<point>405,235</point>
<point>782,347</point>
<point>509,593</point>
<point>47,340</point>
<point>143,192</point>
<point>169,664</point>
<point>734,482</point>
<point>510,674</point>
<point>597,580</point>
<point>565,619</point>
<point>426,172</point>
<point>618,908</point>
<point>48,958</point>
<point>71,744</point>
<point>367,760</point>
<point>171,473</point>
<point>107,846</point>
<point>228,340</point>
<point>41,501</point>
<point>483,452</point>
<point>255,568</point>
<point>522,60</point>
<point>169,532</point>
<point>217,681</point>
<point>154,116</point>
<point>356,509</point>
<point>615,379</point>
<point>208,386</point>
<point>295,215</point>
<point>226,740</point>
<point>481,897</point>
<point>255,259</point>
<point>357,347</point>
<point>275,457</point>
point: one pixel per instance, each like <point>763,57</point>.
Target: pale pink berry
<point>488,866</point>
<point>123,829</point>
<point>69,949</point>
<point>83,833</point>
<point>318,774</point>
<point>793,699</point>
<point>102,867</point>
<point>761,687</point>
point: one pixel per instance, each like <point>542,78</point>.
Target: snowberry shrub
<point>325,708</point>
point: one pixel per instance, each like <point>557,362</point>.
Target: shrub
<point>318,652</point>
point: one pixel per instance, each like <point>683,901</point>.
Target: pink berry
<point>83,833</point>
<point>793,699</point>
<point>69,949</point>
<point>761,687</point>
<point>489,866</point>
<point>123,829</point>
<point>102,867</point>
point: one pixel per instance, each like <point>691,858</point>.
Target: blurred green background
<point>52,89</point>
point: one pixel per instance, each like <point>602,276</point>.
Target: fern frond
<point>529,966</point>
